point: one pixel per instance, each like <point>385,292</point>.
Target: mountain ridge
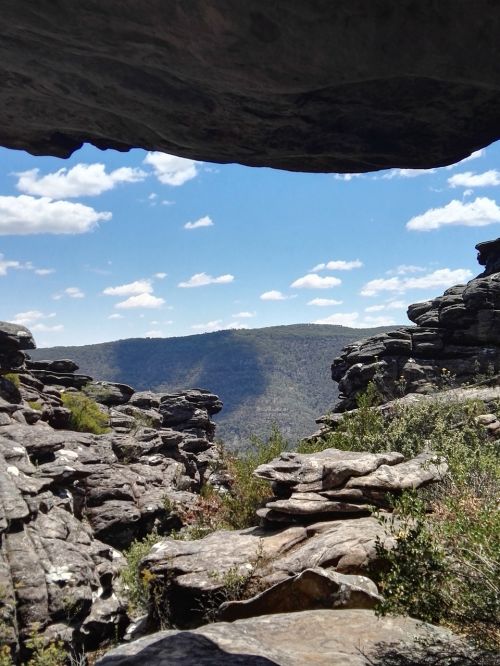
<point>264,376</point>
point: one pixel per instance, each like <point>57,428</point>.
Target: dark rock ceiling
<point>309,85</point>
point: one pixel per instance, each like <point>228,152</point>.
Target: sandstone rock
<point>309,590</point>
<point>424,469</point>
<point>353,637</point>
<point>60,365</point>
<point>225,83</point>
<point>15,336</point>
<point>456,340</point>
<point>324,470</point>
<point>109,393</point>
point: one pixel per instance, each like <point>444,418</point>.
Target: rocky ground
<point>295,590</point>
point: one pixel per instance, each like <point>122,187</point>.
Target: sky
<point>107,245</point>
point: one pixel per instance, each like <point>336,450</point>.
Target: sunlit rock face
<point>309,85</point>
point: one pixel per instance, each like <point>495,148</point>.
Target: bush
<point>446,564</point>
<point>85,414</point>
<point>13,378</point>
<point>34,404</point>
<point>137,584</point>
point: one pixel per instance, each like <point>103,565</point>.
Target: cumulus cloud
<point>6,264</point>
<point>273,295</point>
<point>473,156</point>
<point>160,276</point>
<point>324,302</point>
<point>391,305</point>
<point>348,176</point>
<point>172,170</point>
<point>30,317</point>
<point>115,316</point>
<point>202,222</point>
<point>470,179</point>
<point>203,279</point>
<point>478,213</point>
<point>144,300</point>
<point>79,181</point>
<point>214,325</point>
<point>443,277</point>
<point>404,269</point>
<point>314,281</point>
<point>352,319</point>
<point>243,315</point>
<point>405,173</point>
<point>130,289</point>
<point>44,271</point>
<point>74,292</point>
<point>338,265</point>
<point>25,215</point>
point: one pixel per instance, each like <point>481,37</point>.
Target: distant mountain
<point>270,375</point>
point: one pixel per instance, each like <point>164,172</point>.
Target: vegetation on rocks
<point>85,413</point>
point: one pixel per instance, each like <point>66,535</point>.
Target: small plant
<point>5,656</point>
<point>85,414</point>
<point>34,404</point>
<point>13,378</point>
<point>45,654</point>
<point>137,583</point>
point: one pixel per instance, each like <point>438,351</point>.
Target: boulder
<point>306,86</point>
<point>347,637</point>
<point>109,393</point>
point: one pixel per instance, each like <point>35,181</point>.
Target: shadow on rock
<point>181,649</point>
<point>430,653</point>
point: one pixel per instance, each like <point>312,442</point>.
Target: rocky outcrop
<point>321,637</point>
<point>70,501</point>
<point>309,85</point>
<point>456,340</point>
<point>320,519</point>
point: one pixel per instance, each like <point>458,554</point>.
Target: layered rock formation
<point>456,340</point>
<point>320,522</point>
<point>69,500</point>
<point>310,85</point>
<point>320,637</point>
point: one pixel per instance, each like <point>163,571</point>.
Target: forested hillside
<point>271,375</point>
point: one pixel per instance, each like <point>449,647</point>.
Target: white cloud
<point>154,334</point>
<point>478,213</point>
<point>31,317</point>
<point>243,315</point>
<point>172,170</point>
<point>443,277</point>
<point>314,281</point>
<point>46,328</point>
<point>202,279</point>
<point>348,176</point>
<point>25,215</point>
<point>214,325</point>
<point>160,276</point>
<point>44,271</point>
<point>79,181</point>
<point>340,319</point>
<point>489,178</point>
<point>353,320</point>
<point>236,325</point>
<point>143,300</point>
<point>130,289</point>
<point>391,305</point>
<point>202,222</point>
<point>115,316</point>
<point>273,295</point>
<point>6,264</point>
<point>324,302</point>
<point>74,292</point>
<point>406,173</point>
<point>404,269</point>
<point>338,265</point>
<point>473,156</point>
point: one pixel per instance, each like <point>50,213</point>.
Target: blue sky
<point>109,245</point>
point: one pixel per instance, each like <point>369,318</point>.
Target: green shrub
<point>247,492</point>
<point>445,566</point>
<point>85,414</point>
<point>138,584</point>
<point>13,378</point>
<point>34,404</point>
<point>45,654</point>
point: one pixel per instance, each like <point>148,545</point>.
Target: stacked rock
<point>333,484</point>
<point>456,339</point>
<point>13,339</point>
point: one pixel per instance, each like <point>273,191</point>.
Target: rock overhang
<point>308,85</point>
